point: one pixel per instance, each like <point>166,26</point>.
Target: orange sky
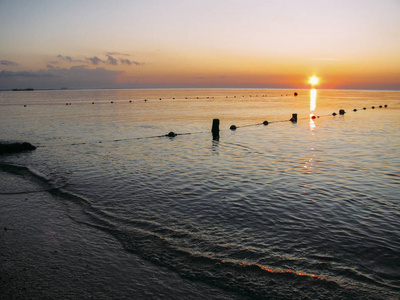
<point>353,44</point>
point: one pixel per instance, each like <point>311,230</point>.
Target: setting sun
<point>313,80</point>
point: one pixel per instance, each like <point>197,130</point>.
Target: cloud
<point>24,74</point>
<point>111,60</point>
<point>8,63</point>
<point>117,54</point>
<point>69,59</point>
<point>75,77</point>
<point>95,60</point>
<point>130,62</point>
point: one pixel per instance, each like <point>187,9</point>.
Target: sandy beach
<point>46,255</point>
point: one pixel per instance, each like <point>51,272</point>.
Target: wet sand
<point>44,254</point>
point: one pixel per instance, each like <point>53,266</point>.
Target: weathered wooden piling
<point>293,119</point>
<point>215,129</point>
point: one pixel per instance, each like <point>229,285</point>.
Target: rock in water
<point>16,147</point>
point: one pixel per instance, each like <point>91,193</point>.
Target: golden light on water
<point>313,105</point>
<point>313,80</point>
<point>313,99</point>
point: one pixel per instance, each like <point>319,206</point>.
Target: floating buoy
<point>130,101</point>
<point>25,105</point>
<point>341,112</point>
<point>233,127</point>
<point>364,108</point>
<point>295,94</point>
<point>334,114</point>
<point>373,107</point>
<point>112,102</point>
<point>385,105</point>
<point>355,109</point>
<point>380,106</point>
<point>293,119</point>
<point>171,134</point>
<point>92,102</point>
<point>313,117</point>
<point>265,123</point>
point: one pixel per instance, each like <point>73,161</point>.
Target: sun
<point>313,80</point>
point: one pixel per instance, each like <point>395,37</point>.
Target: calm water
<point>309,209</point>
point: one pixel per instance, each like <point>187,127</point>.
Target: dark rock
<point>16,147</point>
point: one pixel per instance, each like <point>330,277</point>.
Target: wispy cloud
<point>130,62</point>
<point>40,73</point>
<point>8,63</point>
<point>69,59</point>
<point>117,54</point>
<point>111,60</point>
<point>75,77</point>
<point>95,60</point>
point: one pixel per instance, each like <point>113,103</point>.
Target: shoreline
<point>47,255</point>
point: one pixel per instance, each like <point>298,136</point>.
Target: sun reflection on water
<point>313,105</point>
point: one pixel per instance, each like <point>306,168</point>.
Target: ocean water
<point>285,210</point>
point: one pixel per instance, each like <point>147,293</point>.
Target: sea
<point>269,210</point>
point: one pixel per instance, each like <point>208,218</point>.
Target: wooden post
<point>294,118</point>
<point>215,129</point>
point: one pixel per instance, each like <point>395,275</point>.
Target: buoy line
<point>172,134</point>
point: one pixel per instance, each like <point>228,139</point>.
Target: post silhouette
<point>215,129</point>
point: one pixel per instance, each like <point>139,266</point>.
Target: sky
<point>74,44</point>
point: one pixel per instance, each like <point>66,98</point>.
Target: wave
<point>171,248</point>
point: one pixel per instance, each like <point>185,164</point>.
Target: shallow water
<point>306,209</point>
